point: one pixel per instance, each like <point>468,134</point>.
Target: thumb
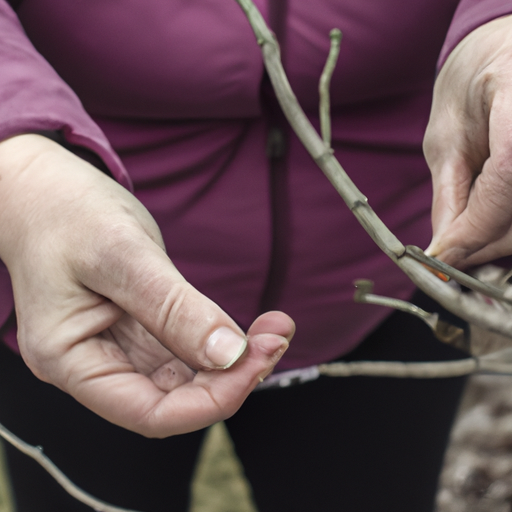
<point>451,185</point>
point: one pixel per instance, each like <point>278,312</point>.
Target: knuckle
<point>186,316</point>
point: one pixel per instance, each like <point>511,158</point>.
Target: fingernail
<point>431,249</point>
<point>224,347</point>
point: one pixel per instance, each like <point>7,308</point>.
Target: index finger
<point>487,216</point>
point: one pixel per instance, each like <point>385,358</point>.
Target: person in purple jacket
<point>161,226</point>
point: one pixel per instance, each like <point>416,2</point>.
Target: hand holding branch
<point>468,146</point>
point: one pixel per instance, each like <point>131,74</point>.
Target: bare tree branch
<point>36,452</point>
<point>323,87</point>
<point>497,363</point>
<point>401,370</point>
<point>466,280</point>
<point>463,305</point>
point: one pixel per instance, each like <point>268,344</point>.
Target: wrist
<point>37,178</point>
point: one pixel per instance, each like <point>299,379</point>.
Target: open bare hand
<point>102,312</point>
<point>468,146</point>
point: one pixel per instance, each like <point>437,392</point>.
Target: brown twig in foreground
<point>36,452</point>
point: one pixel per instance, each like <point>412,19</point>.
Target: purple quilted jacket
<point>172,97</point>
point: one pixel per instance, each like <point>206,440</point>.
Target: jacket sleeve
<point>469,15</point>
<point>33,98</point>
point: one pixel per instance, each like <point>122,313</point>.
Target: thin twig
<point>424,370</point>
<point>464,279</point>
<point>490,364</point>
<point>325,82</point>
<point>36,452</point>
<point>499,363</point>
<point>444,331</point>
<point>434,370</point>
<point>364,294</point>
